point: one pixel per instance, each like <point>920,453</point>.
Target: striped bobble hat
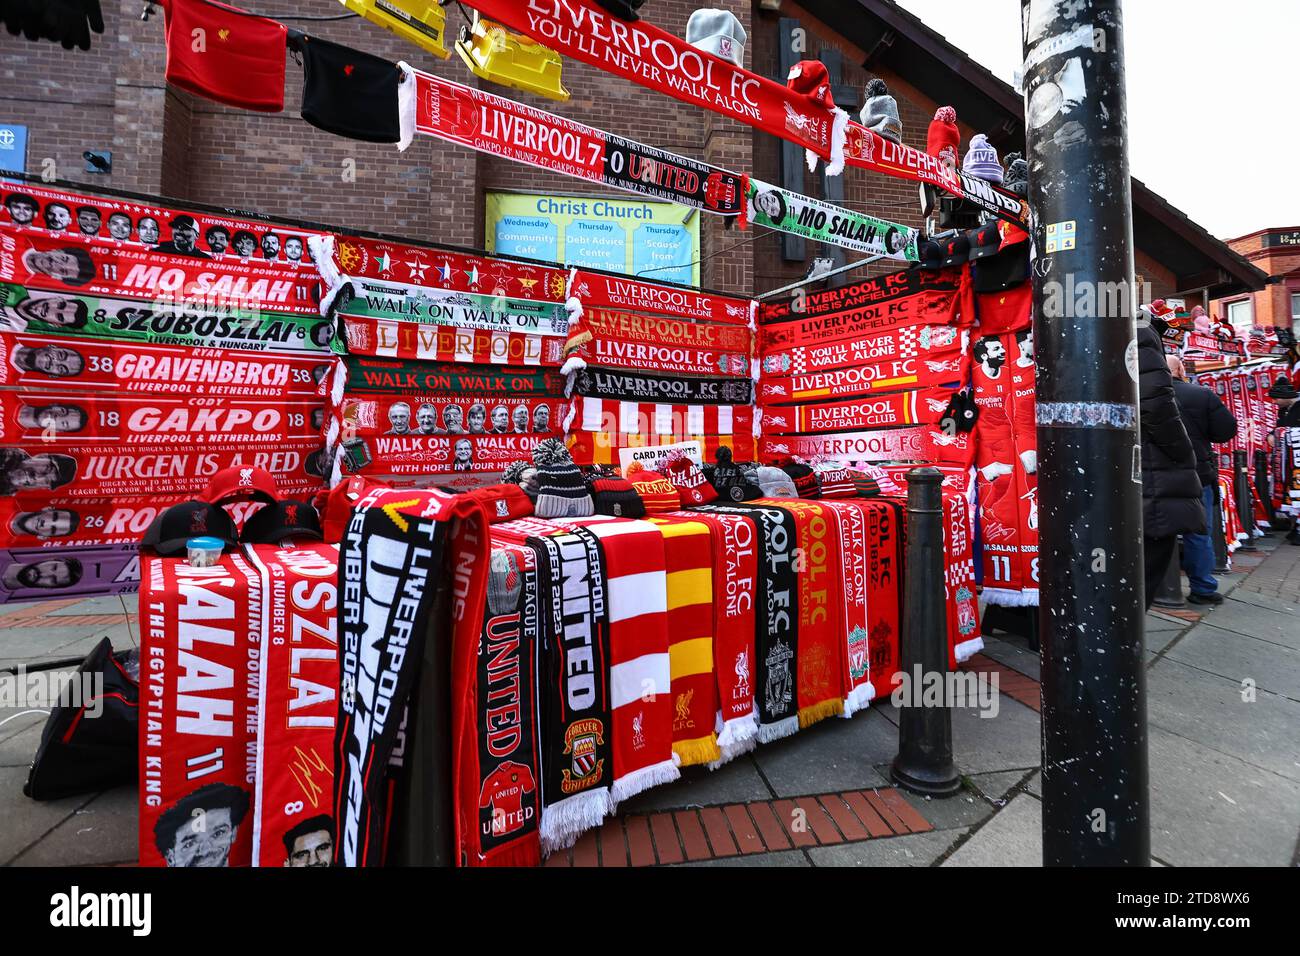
<point>805,481</point>
<point>656,491</point>
<point>561,492</point>
<point>835,480</point>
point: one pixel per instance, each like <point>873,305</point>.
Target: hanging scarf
<point>922,443</point>
<point>99,524</point>
<point>776,639</point>
<point>602,448</point>
<point>735,576</point>
<point>822,640</point>
<point>598,290</point>
<point>367,417</point>
<point>788,212</point>
<point>433,106</point>
<point>688,557</point>
<point>912,373</point>
<point>586,349</point>
<point>577,761</point>
<point>857,295</point>
<point>964,639</point>
<point>109,366</point>
<point>440,343</point>
<point>497,764</point>
<point>109,268</point>
<point>854,547</point>
<point>372,375</point>
<point>645,54</point>
<point>431,305</point>
<point>910,342</point>
<point>632,329</point>
<point>434,454</point>
<point>842,328</point>
<point>901,408</point>
<point>391,557</point>
<point>884,559</point>
<point>633,386</point>
<point>676,421</point>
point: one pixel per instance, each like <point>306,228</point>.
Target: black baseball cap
<point>956,250</point>
<point>930,254</point>
<point>189,519</point>
<point>984,241</point>
<point>284,519</point>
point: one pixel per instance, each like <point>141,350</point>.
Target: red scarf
<point>854,549</point>
<point>599,324</point>
<point>597,290</point>
<point>900,408</point>
<point>601,448</point>
<point>676,422</point>
<point>909,342</point>
<point>922,443</point>
<point>389,338</point>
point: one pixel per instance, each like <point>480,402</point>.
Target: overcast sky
<point>1213,98</point>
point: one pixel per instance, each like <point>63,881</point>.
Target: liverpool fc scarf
<point>391,559</point>
<point>931,307</point>
<point>634,329</point>
<point>98,317</point>
<point>688,557</point>
<point>676,421</point>
<point>859,295</point>
<point>776,639</point>
<point>415,454</point>
<point>922,443</point>
<point>605,291</point>
<point>441,343</point>
<point>645,54</point>
<point>901,408</point>
<point>497,757</point>
<point>964,639</point>
<point>909,342</point>
<point>853,547</point>
<point>373,375</point>
<point>225,54</point>
<point>584,349</point>
<point>430,305</point>
<point>884,568</point>
<point>347,92</point>
<point>913,373</point>
<point>735,573</point>
<point>602,448</point>
<point>635,387</point>
<point>423,414</point>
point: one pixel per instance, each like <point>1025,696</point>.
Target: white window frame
<point>1249,306</point>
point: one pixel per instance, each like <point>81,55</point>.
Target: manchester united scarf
<point>497,746</point>
<point>688,557</point>
<point>605,291</point>
<point>776,639</point>
<point>433,106</point>
<point>393,557</point>
<point>62,262</point>
<point>374,375</point>
<point>735,573</point>
<point>602,448</point>
<point>788,212</point>
<point>645,54</point>
<point>910,342</point>
<point>371,298</point>
<point>676,421</point>
<point>440,343</point>
<point>97,317</point>
<point>901,408</point>
<point>636,387</point>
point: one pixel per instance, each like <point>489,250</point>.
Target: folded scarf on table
<point>884,590</point>
<point>601,448</point>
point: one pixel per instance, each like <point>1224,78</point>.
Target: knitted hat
<point>811,78</point>
<point>836,482</point>
<point>614,495</point>
<point>1017,177</point>
<point>775,483</point>
<point>804,478</point>
<point>689,481</point>
<point>982,160</point>
<point>504,502</point>
<point>880,112</point>
<point>730,481</point>
<point>873,482</point>
<point>561,492</point>
<point>1283,389</point>
<point>864,485</point>
<point>656,491</point>
<point>944,139</point>
<point>523,474</point>
<point>718,32</point>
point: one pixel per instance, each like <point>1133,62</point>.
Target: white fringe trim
<point>739,730</point>
<point>811,159</point>
<point>732,751</point>
<point>859,699</point>
<point>1005,597</point>
<point>565,821</point>
<point>839,136</point>
<point>406,106</point>
<point>968,649</point>
<point>782,728</point>
<point>336,473</point>
<point>573,280</point>
<point>338,383</point>
<point>322,253</point>
<point>643,779</point>
<point>568,419</point>
<point>572,364</point>
<point>573,305</point>
<point>332,433</point>
<point>331,293</point>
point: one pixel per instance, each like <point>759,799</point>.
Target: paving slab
<point>962,810</point>
<point>1236,657</point>
<point>1005,742</point>
<point>19,739</point>
<point>108,604</point>
<point>998,785</point>
<point>1155,622</point>
<point>1035,785</point>
<point>1013,837</point>
<point>1280,627</point>
<point>1200,706</point>
<point>26,821</point>
<point>1013,655</point>
<point>785,858</point>
<point>735,782</point>
<point>915,849</point>
<point>1211,809</point>
<point>102,832</point>
<point>1247,596</point>
<point>833,755</point>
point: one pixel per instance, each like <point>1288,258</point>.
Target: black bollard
<point>1216,533</point>
<point>924,762</point>
<point>1170,592</point>
<point>1263,486</point>
<point>1245,503</point>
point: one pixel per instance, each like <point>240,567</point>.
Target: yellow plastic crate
<point>422,22</point>
<point>495,54</point>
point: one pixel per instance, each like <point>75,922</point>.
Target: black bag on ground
<point>89,742</point>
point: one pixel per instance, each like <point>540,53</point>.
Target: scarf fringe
<point>1007,597</point>
<point>572,364</point>
<point>968,649</point>
<point>565,821</point>
<point>322,253</point>
<point>642,779</point>
<point>406,107</point>
<point>331,293</point>
<point>831,707</point>
<point>859,699</point>
<point>782,728</point>
<point>811,158</point>
<point>739,736</point>
<point>338,384</point>
<point>573,305</point>
<point>839,136</point>
<point>689,753</point>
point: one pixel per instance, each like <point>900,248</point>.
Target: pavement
<point>1224,726</point>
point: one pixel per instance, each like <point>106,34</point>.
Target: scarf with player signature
<point>400,548</point>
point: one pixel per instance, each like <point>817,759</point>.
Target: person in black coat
<point>1171,488</point>
<point>1208,422</point>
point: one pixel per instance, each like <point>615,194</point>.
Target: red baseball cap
<point>237,483</point>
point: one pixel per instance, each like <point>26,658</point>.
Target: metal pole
<point>1170,592</point>
<point>1095,800</point>
<point>1262,486</point>
<point>924,762</point>
<point>1245,504</point>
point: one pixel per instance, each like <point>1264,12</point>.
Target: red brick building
<point>1276,252</point>
<point>165,141</point>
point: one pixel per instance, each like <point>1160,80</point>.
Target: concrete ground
<point>1224,712</point>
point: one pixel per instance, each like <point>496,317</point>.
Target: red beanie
<point>811,78</point>
<point>658,493</point>
<point>503,502</point>
<point>690,482</point>
<point>944,135</point>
